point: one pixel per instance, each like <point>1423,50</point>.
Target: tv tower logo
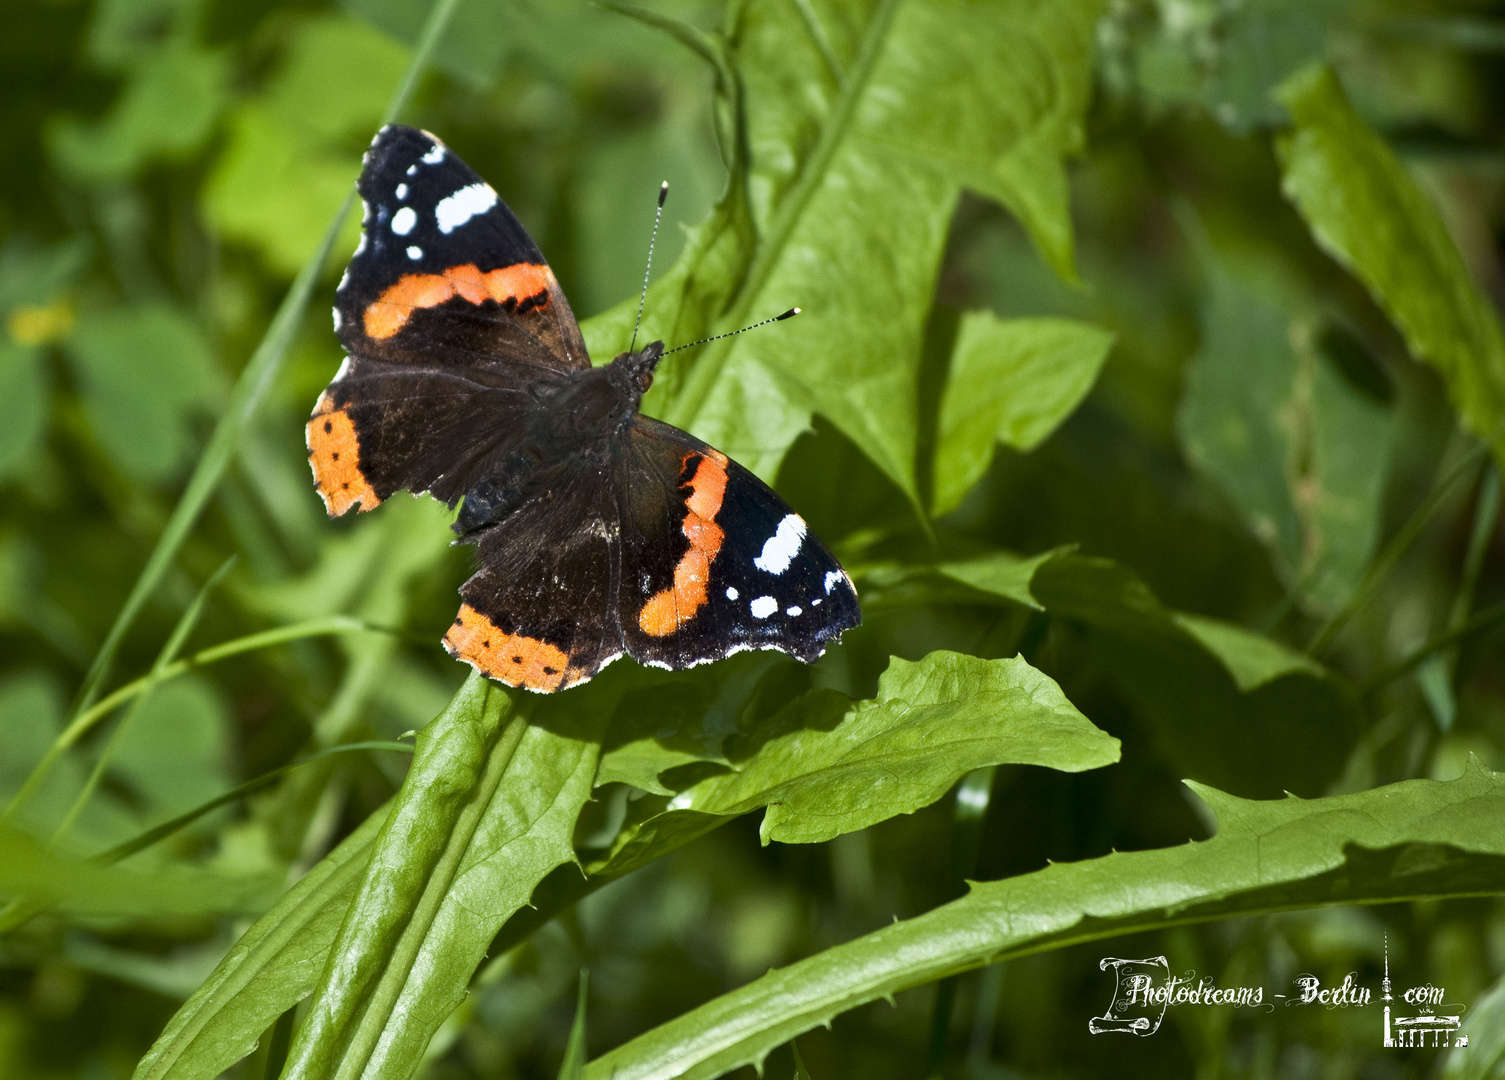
<point>1407,1031</point>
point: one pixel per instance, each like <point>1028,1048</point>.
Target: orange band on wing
<point>514,659</point>
<point>669,609</point>
<point>334,454</point>
<point>389,312</point>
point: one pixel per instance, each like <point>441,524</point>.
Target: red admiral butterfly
<point>600,530</point>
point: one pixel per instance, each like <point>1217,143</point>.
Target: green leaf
<point>1002,573</point>
<point>142,372</point>
<point>862,174</point>
<point>167,110</point>
<point>24,399</point>
<point>1299,451</point>
<point>1250,658</point>
<point>258,373</point>
<point>825,765</point>
<point>1012,381</point>
<point>273,966</point>
<point>292,153</point>
<point>487,810</point>
<point>1486,1049</point>
<point>1365,209</point>
<point>1228,705</point>
<point>1409,840</point>
<point>174,755</point>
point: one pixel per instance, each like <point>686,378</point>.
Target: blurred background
<point>166,167</point>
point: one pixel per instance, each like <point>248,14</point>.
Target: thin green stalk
<point>85,721</point>
<point>21,909</point>
<point>1392,552</point>
<point>235,794</point>
<point>169,651</point>
<point>1486,515</point>
<point>250,388</point>
<point>972,797</point>
<point>1481,621</point>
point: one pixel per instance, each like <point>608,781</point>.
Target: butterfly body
<point>599,531</point>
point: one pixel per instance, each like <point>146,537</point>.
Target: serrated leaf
<point>1012,381</point>
<point>825,765</point>
<point>1408,840</point>
<point>885,130</point>
<point>1365,209</point>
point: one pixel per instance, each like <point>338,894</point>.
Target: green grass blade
<point>573,1065</point>
<point>249,390</point>
<point>180,632</point>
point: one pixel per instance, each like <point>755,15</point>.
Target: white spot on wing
<point>816,602</point>
<point>336,320</point>
<point>794,610</point>
<point>412,170</point>
<point>415,253</point>
<point>434,156</point>
<point>345,277</point>
<point>360,247</point>
<point>780,549</point>
<point>404,220</point>
<point>344,364</point>
<point>455,210</point>
<point>833,577</point>
<point>763,607</point>
<point>402,191</point>
<point>731,593</point>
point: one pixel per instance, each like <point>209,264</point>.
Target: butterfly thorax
<point>576,420</point>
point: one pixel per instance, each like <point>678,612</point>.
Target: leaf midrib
<point>704,373</point>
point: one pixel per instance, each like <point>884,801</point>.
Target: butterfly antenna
<point>791,313</point>
<point>663,193</point>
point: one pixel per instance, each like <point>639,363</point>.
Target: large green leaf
<point>1012,381</point>
<point>845,210</point>
<point>486,811</point>
<point>1365,209</point>
<point>1409,840</point>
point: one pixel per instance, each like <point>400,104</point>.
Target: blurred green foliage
<point>1150,382</point>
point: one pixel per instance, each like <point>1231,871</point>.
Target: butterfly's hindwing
<point>717,562</point>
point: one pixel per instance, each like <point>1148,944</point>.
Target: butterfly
<point>599,531</point>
